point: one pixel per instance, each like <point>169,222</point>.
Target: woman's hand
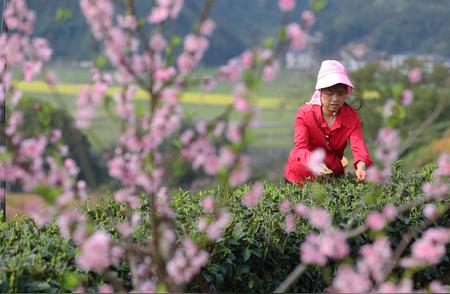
<point>325,171</point>
<point>361,172</point>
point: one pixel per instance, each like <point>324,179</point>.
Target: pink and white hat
<point>332,72</point>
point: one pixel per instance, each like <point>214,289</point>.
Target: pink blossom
<point>30,70</point>
<point>33,147</point>
<point>388,137</point>
<point>270,71</point>
<point>415,75</point>
<point>215,229</point>
<point>435,190</point>
<point>71,167</point>
<point>239,176</point>
<point>202,127</point>
<point>99,16</point>
<point>212,165</point>
<point>407,97</point>
<point>176,8</point>
<point>209,84</point>
<point>301,210</point>
<point>185,63</point>
<point>309,252</point>
<point>127,22</point>
<point>429,249</point>
<point>443,165</point>
<point>390,212</point>
<point>252,197</point>
<point>202,224</point>
<point>308,18</point>
<point>247,58</point>
<point>286,5</point>
<point>186,137</point>
<point>430,211</point>
<point>164,74</point>
<point>56,135</point>
<point>241,104</point>
<point>316,160</point>
<point>207,27</point>
<point>375,221</point>
<point>319,218</point>
<point>147,287</point>
<point>226,156</point>
<point>296,35</point>
<point>116,254</point>
<point>375,257</point>
<point>349,281</point>
<point>158,43</point>
<point>234,133</point>
<point>285,206</point>
<point>39,214</point>
<point>106,288</point>
<point>437,287</point>
<point>158,14</point>
<point>388,108</point>
<point>405,286</point>
<point>15,119</point>
<point>94,253</point>
<point>289,223</point>
<point>208,204</point>
<point>231,71</point>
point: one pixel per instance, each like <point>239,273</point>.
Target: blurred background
<point>378,41</point>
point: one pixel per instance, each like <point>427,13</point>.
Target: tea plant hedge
<point>255,253</point>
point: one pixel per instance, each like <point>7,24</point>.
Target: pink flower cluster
<point>316,160</point>
<point>18,17</point>
<point>415,75</point>
<point>317,248</point>
<point>252,197</point>
<point>186,263</point>
<point>429,249</point>
<point>440,186</point>
<point>165,9</point>
<point>286,5</point>
<point>296,35</point>
<point>87,100</point>
<point>386,154</point>
<point>95,253</point>
<point>369,268</point>
<point>214,228</point>
<point>99,15</point>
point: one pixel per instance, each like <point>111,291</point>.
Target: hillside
<point>392,26</point>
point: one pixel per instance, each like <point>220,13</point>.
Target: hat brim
<point>332,79</point>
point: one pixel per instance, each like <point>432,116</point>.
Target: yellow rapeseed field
<point>186,97</point>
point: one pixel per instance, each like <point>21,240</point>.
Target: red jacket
<point>311,132</point>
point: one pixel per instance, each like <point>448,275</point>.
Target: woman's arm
<point>360,153</point>
<point>301,148</point>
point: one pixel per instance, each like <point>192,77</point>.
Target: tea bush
<point>255,254</point>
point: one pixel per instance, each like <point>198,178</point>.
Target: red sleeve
<point>358,146</point>
<point>301,148</point>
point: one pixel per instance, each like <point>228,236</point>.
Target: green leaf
<point>62,14</point>
<point>48,193</point>
<point>268,42</point>
<point>101,61</point>
<point>70,280</point>
<point>317,5</point>
<point>247,254</point>
<point>397,89</point>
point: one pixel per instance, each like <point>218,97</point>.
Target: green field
<point>277,100</point>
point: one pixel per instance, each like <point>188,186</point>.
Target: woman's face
<point>334,97</point>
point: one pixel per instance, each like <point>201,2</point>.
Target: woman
<point>327,123</point>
